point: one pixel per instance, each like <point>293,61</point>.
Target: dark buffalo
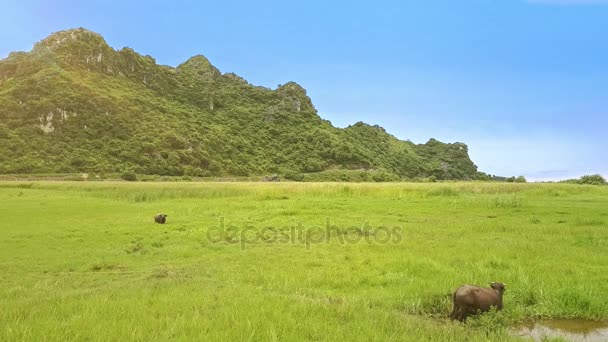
<point>160,218</point>
<point>469,300</point>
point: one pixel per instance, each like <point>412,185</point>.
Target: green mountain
<point>74,104</point>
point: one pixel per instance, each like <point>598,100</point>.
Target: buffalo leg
<point>462,314</point>
<point>453,314</point>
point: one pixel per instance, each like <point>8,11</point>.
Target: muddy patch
<point>570,330</point>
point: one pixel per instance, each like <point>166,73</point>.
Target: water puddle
<point>570,330</point>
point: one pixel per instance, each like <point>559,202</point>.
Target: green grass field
<point>85,261</point>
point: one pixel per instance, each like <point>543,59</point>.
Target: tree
<point>520,179</point>
<point>593,179</point>
<point>129,176</point>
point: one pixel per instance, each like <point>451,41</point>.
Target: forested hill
<point>74,104</point>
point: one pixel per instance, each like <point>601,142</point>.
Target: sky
<point>524,83</point>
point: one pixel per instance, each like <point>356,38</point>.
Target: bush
<point>521,179</point>
<point>349,176</point>
<point>129,176</point>
<point>74,178</point>
<point>294,176</point>
<point>148,178</point>
<point>593,180</point>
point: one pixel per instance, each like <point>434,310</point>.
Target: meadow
<point>84,261</point>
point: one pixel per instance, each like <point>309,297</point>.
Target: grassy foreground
<point>291,261</point>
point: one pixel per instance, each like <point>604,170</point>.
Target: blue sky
<point>523,82</point>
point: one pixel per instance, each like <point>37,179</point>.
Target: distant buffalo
<point>469,300</point>
<point>160,218</point>
<point>273,178</point>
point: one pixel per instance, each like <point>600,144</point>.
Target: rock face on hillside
<point>74,104</point>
